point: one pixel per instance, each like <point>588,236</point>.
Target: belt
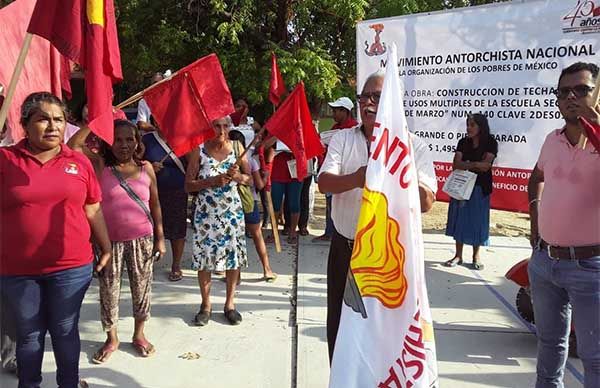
<point>348,241</point>
<point>350,244</point>
<point>570,253</point>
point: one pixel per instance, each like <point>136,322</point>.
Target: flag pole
<point>595,99</point>
<point>15,78</point>
<point>270,208</point>
<point>139,95</point>
<point>274,225</point>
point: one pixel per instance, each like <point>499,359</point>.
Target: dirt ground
<point>502,223</point>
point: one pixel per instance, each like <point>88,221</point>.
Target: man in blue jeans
<point>564,205</point>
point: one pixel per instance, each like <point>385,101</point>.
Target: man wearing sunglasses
<point>564,271</point>
<point>343,175</point>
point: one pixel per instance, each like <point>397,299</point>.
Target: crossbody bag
<point>132,193</point>
<point>244,191</point>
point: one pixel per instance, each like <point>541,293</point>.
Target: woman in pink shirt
<point>134,221</point>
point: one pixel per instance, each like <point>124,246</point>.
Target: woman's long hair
<point>106,151</point>
<point>484,128</point>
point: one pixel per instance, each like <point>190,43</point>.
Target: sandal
<point>270,278</point>
<point>175,276</point>
<point>453,262</point>
<point>104,353</point>
<point>303,232</point>
<point>10,366</point>
<point>292,239</point>
<point>202,318</point>
<point>144,348</point>
<point>233,316</point>
<point>478,266</point>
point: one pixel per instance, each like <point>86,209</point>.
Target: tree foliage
<point>314,40</point>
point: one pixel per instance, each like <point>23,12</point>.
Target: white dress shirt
<point>347,152</point>
<point>143,112</point>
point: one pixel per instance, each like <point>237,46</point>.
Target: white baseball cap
<point>342,102</point>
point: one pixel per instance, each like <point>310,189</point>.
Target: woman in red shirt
<point>50,201</point>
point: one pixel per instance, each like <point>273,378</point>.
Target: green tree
<point>305,36</point>
<point>314,40</point>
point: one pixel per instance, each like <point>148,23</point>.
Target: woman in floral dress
<point>219,230</point>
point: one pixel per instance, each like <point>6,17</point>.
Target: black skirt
<point>173,205</point>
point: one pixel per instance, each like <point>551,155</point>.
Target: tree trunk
<point>284,12</point>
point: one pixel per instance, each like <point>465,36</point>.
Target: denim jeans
<point>559,289</point>
<point>291,191</point>
<point>42,303</point>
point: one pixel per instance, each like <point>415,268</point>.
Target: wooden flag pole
<point>274,225</point>
<point>165,157</point>
<point>595,99</point>
<point>15,78</point>
<point>270,208</point>
<point>139,95</point>
<point>252,144</point>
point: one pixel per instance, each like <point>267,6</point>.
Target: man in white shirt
<point>343,175</point>
<point>144,113</point>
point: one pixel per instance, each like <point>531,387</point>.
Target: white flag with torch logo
<point>385,339</point>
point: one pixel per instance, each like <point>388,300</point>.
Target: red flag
<point>277,87</point>
<point>592,130</point>
<point>41,71</point>
<point>186,105</point>
<point>65,76</point>
<point>86,33</point>
<point>292,124</point>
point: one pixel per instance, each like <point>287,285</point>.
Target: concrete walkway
<point>480,340</point>
<point>257,353</point>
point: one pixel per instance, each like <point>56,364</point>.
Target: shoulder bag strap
<point>237,151</point>
<point>132,193</point>
<point>236,148</point>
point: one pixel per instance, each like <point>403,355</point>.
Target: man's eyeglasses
<point>578,91</point>
<point>365,97</point>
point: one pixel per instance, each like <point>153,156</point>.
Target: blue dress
<point>469,221</point>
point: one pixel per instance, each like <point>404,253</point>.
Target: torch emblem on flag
<point>377,262</point>
<point>385,338</point>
